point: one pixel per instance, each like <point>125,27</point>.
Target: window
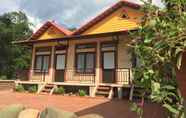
<point>41,63</point>
<point>60,62</point>
<point>85,62</point>
<point>109,60</point>
<point>124,16</point>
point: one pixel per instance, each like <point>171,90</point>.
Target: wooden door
<point>109,65</point>
<point>60,67</point>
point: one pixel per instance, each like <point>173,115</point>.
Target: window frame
<point>86,46</point>
<point>62,54</point>
<point>85,62</point>
<point>42,64</point>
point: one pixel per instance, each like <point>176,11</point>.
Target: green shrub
<point>3,77</point>
<point>82,93</point>
<point>59,90</point>
<point>19,88</point>
<point>32,89</point>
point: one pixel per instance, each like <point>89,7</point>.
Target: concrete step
<point>103,88</point>
<point>43,93</point>
<point>46,90</point>
<point>49,86</point>
<point>102,93</point>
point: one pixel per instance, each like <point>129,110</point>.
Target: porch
<point>84,81</point>
<point>122,78</point>
<point>92,62</point>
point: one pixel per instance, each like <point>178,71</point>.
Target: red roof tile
<point>43,28</point>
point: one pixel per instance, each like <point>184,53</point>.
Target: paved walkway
<point>80,105</point>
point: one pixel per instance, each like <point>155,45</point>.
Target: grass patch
<point>82,93</point>
<point>3,77</point>
<point>19,88</point>
<point>32,89</point>
<point>59,90</point>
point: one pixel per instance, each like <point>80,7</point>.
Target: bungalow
<point>95,55</point>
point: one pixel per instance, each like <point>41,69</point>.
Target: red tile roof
<point>105,14</point>
<point>48,24</point>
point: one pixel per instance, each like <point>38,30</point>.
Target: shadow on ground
<point>112,108</point>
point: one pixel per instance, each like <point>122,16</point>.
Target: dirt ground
<point>80,105</point>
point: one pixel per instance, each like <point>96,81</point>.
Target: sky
<point>69,13</point>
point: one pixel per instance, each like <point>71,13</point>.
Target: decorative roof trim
<point>48,24</point>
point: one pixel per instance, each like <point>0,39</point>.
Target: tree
<point>13,26</point>
<point>158,45</point>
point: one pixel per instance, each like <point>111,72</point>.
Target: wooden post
<point>52,66</point>
<point>32,65</point>
<point>98,65</point>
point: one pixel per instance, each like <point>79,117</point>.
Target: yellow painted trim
<point>115,22</point>
<point>51,33</point>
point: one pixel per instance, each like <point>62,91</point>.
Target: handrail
<point>42,72</point>
<point>122,75</point>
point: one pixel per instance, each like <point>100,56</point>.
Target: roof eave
<point>73,37</point>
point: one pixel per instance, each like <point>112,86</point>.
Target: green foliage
<point>32,89</point>
<point>158,45</point>
<point>3,77</point>
<point>82,93</point>
<point>135,108</point>
<point>14,26</point>
<point>19,88</point>
<point>59,90</point>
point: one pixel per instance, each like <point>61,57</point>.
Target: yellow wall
<point>51,33</point>
<point>114,22</point>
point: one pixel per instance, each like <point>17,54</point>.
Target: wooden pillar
<point>120,92</point>
<point>52,65</point>
<point>32,63</point>
<point>98,65</point>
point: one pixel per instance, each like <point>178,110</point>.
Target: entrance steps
<point>104,91</point>
<point>46,89</point>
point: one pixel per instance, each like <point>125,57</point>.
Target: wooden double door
<point>108,66</point>
<point>60,64</point>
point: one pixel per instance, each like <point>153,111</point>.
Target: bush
<point>59,90</point>
<point>3,77</point>
<point>32,89</point>
<point>19,88</point>
<point>82,93</point>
